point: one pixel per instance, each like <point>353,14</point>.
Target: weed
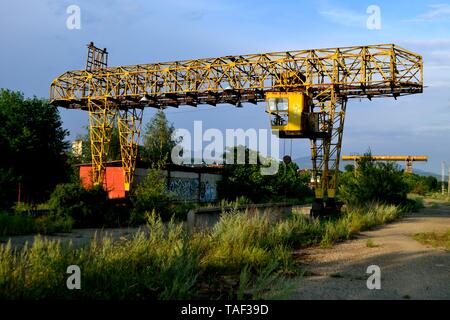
<point>437,240</point>
<point>371,244</point>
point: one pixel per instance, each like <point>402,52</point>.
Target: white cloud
<point>437,12</point>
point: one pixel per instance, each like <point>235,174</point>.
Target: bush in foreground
<point>86,208</point>
<point>161,265</point>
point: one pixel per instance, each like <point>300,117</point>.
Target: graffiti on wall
<point>184,188</point>
<point>190,189</point>
<point>208,191</point>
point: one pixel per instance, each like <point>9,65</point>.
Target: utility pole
<point>448,183</point>
<point>442,177</point>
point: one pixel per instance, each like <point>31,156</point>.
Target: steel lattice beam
<point>371,71</point>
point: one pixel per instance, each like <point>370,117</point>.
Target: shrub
<point>19,223</point>
<point>420,185</point>
<point>50,225</point>
<point>15,224</point>
<point>151,195</point>
<point>86,208</point>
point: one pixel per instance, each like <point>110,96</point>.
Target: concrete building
<point>188,183</point>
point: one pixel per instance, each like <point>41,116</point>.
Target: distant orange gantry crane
<point>407,159</point>
<point>305,91</point>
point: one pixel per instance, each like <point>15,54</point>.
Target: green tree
<point>419,184</point>
<point>158,140</point>
<point>246,180</point>
<point>32,147</point>
<point>288,183</point>
<point>151,195</point>
<point>373,182</point>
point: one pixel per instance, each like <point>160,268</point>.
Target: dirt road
<point>409,270</point>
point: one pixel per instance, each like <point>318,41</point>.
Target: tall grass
<point>20,223</point>
<point>15,224</point>
<point>438,196</point>
<point>437,240</point>
<point>241,239</point>
<point>166,262</point>
<point>358,219</point>
<point>161,264</point>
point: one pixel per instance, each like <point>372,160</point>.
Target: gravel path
<point>409,270</point>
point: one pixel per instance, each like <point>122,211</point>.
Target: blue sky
<point>36,46</point>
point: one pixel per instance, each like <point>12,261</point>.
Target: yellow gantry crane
<point>408,160</point>
<point>306,94</point>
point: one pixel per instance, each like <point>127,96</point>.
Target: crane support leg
<point>409,166</point>
<point>101,119</point>
<point>326,150</point>
<point>130,121</point>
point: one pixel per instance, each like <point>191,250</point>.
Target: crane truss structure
<point>328,76</point>
<point>408,160</point>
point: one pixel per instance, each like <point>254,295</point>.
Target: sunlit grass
<point>359,219</point>
<point>438,196</point>
<point>370,243</point>
<point>168,262</point>
<point>437,240</point>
